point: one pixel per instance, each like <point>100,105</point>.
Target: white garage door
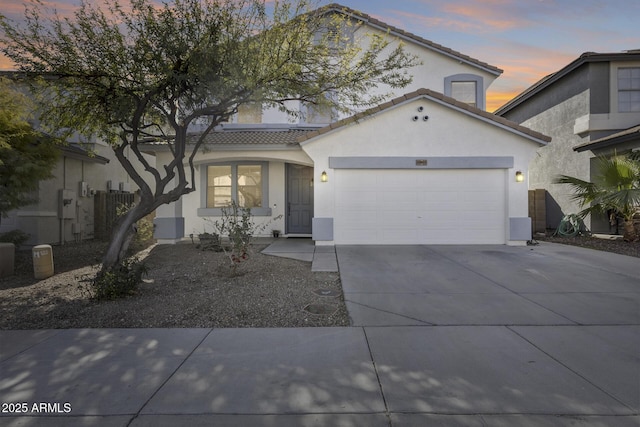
<point>462,206</point>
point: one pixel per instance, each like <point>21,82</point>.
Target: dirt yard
<point>185,288</point>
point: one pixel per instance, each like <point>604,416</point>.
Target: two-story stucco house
<point>430,166</point>
<point>590,107</point>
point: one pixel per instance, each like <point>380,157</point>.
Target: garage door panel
<point>359,219</point>
<point>357,200</point>
<point>385,235</point>
<point>397,199</point>
<point>402,218</point>
<point>420,206</point>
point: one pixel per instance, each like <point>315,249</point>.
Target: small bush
<point>120,281</point>
<point>17,237</point>
<point>237,225</point>
<point>144,228</point>
<point>210,242</point>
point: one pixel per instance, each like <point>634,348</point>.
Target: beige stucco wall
<point>447,133</point>
<point>430,74</point>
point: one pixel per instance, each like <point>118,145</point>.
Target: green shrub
<point>120,281</point>
<point>210,242</point>
<point>144,228</point>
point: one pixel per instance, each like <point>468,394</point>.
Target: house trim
<point>479,81</point>
<point>462,162</point>
<point>322,229</point>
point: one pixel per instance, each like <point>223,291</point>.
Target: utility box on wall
<point>67,204</point>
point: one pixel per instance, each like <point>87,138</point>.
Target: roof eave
<point>596,145</point>
<point>412,38</point>
<point>157,148</point>
<point>83,155</point>
<point>439,98</point>
<point>550,79</point>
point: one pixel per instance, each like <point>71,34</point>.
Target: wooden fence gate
<point>538,210</point>
<point>106,206</point>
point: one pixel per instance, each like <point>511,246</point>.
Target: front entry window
<point>242,183</point>
<point>249,186</point>
<point>218,186</point>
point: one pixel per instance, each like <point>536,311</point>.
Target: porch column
<point>168,226</point>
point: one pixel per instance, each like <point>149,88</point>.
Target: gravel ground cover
<point>617,246</point>
<point>190,288</point>
<point>185,288</point>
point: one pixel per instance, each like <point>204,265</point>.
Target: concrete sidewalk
<point>518,337</point>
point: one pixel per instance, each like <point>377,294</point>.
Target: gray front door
<point>299,199</point>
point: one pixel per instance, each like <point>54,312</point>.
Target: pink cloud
<point>492,15</point>
<point>434,22</point>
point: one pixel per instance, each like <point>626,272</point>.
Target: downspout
<point>64,185</point>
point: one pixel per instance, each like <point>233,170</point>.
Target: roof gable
<point>409,37</point>
<point>548,80</point>
<point>441,99</point>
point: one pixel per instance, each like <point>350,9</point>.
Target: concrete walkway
<point>322,258</point>
<point>468,336</point>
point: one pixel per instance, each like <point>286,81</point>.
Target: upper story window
<point>336,34</point>
<point>465,92</point>
<point>629,89</point>
<point>320,113</point>
<point>250,113</point>
<point>467,88</point>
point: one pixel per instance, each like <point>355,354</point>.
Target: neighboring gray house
<point>76,203</point>
<point>590,107</point>
<point>80,200</point>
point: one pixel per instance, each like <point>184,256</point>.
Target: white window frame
<point>264,210</point>
<point>460,78</point>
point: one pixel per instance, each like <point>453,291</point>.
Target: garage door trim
<point>461,162</point>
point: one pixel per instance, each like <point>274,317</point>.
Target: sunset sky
<point>528,39</point>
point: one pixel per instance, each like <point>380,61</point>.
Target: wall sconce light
<point>323,177</point>
<point>519,177</point>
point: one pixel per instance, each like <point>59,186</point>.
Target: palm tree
<point>615,188</point>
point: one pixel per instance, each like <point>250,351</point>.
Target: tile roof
<point>616,138</point>
<point>254,137</point>
<point>335,7</point>
<point>436,96</point>
<point>75,152</point>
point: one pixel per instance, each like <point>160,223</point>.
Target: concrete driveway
<point>549,329</point>
<point>488,285</point>
<point>442,336</point>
